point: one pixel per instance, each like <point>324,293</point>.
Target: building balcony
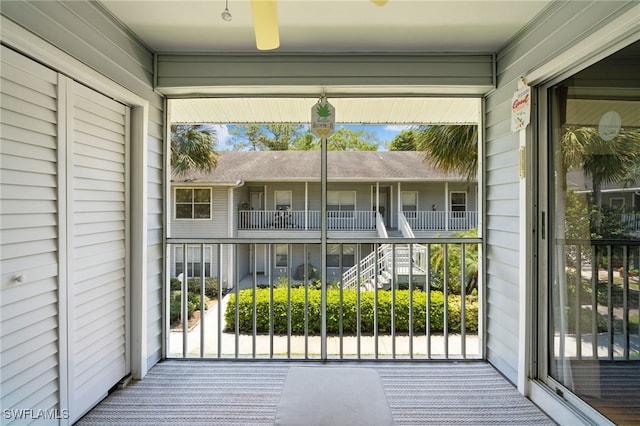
<point>310,220</point>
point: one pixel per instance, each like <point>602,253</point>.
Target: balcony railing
<point>352,220</point>
<point>305,220</point>
<point>441,220</point>
<point>423,301</point>
<point>631,222</point>
<point>601,292</point>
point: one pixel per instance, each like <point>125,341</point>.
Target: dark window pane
<point>184,195</point>
<point>202,211</point>
<point>183,211</point>
<point>201,195</point>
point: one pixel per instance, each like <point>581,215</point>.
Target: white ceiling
<point>348,110</point>
<point>329,26</point>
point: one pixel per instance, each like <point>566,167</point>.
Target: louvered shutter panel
<point>97,223</point>
<point>28,234</point>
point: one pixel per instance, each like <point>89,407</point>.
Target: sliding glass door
<point>592,246</point>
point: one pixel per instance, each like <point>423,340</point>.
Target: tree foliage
<point>282,137</point>
<point>192,147</point>
<point>603,161</point>
<point>404,141</point>
<point>451,148</point>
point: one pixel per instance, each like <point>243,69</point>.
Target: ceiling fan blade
<point>379,2</point>
<point>265,24</point>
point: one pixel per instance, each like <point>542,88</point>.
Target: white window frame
<point>452,205</point>
<point>620,202</point>
<point>193,257</point>
<point>334,250</point>
<point>340,202</point>
<point>414,194</point>
<point>281,251</point>
<point>193,203</point>
<point>287,194</point>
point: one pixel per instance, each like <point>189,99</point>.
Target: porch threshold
<point>243,392</point>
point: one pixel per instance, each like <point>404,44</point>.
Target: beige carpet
<point>247,392</point>
<point>319,396</point>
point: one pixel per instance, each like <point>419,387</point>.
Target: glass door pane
<point>594,251</point>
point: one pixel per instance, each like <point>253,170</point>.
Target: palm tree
<point>451,148</point>
<point>604,161</point>
<point>192,147</point>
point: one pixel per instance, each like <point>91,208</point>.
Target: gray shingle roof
<point>234,166</point>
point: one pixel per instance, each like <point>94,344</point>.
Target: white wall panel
<point>554,32</point>
<point>97,221</point>
<point>28,234</point>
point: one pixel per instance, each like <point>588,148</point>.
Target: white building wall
<point>104,56</point>
<point>540,52</point>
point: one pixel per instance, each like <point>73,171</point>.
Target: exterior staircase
<point>376,269</point>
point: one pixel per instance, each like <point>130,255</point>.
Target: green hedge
<point>210,286</point>
<point>193,304</point>
<point>280,309</point>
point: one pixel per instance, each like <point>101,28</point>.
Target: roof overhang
<point>364,110</point>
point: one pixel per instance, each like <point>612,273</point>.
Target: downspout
<point>231,230</point>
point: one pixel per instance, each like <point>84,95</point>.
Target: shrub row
<point>193,304</point>
<point>349,311</point>
<point>193,286</point>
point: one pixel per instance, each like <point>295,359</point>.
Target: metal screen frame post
<point>202,296</point>
<point>323,249</point>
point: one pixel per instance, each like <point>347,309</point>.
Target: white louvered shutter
<point>28,234</point>
<point>97,218</point>
<point>63,240</point>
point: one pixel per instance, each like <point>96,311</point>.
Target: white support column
<point>306,205</point>
<point>446,206</point>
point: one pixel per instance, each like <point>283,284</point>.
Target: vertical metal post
<point>340,307</point>
<point>610,329</point>
<point>306,302</point>
<point>394,282</point>
<point>219,327</point>
<point>427,290</point>
<point>376,277</point>
<point>236,286</point>
<point>595,270</point>
<point>578,303</point>
<point>625,301</point>
<point>463,300</point>
<point>202,296</point>
<point>323,249</point>
<point>445,291</point>
<point>411,301</point>
<point>358,294</point>
<point>289,282</point>
<point>184,296</point>
<point>271,304</point>
<point>254,325</point>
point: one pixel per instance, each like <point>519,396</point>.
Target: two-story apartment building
<point>275,194</point>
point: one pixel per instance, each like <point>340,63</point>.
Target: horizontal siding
<point>461,71</point>
<point>553,32</point>
<point>86,32</point>
<point>28,234</point>
<point>216,227</point>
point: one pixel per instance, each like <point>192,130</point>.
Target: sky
<point>385,133</point>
